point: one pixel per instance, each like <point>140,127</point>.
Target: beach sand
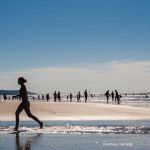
<point>74,111</point>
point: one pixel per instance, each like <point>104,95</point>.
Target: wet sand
<point>74,111</point>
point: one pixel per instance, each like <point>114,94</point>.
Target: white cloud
<point>126,76</point>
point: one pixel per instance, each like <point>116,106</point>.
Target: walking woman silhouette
<point>25,104</point>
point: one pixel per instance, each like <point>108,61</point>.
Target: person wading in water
<point>25,104</point>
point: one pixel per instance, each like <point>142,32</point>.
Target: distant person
<point>85,95</point>
<point>107,96</point>
<point>39,97</point>
<point>146,96</point>
<point>5,97</point>
<point>70,97</point>
<point>42,96</point>
<point>25,104</point>
<point>117,97</point>
<point>55,96</point>
<point>59,96</point>
<point>47,97</point>
<point>112,96</point>
<point>79,97</point>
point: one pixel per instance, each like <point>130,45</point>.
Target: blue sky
<point>40,33</point>
<point>52,33</point>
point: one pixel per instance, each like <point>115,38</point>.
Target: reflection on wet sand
<point>28,144</point>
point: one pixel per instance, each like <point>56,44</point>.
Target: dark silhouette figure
<point>47,97</point>
<point>59,96</point>
<point>107,96</point>
<point>112,96</point>
<point>42,96</point>
<point>117,97</point>
<point>28,144</point>
<point>39,97</point>
<point>85,95</point>
<point>5,97</point>
<point>70,97</point>
<point>25,104</point>
<point>55,96</point>
<point>78,97</point>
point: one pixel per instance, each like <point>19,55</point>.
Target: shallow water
<point>73,135</point>
<point>74,141</point>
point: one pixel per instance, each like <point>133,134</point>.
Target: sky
<point>72,45</point>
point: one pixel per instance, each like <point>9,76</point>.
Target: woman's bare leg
<point>18,111</point>
<point>27,110</point>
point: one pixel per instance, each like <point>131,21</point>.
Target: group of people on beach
<point>57,96</point>
<point>70,96</point>
<point>115,96</point>
<point>85,96</point>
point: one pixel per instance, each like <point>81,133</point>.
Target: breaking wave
<point>69,129</point>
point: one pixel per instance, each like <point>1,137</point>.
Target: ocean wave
<point>68,129</point>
